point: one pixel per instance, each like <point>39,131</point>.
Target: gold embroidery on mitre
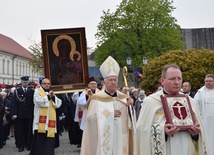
<point>111,66</point>
<point>106,113</point>
<point>125,150</point>
<point>106,143</point>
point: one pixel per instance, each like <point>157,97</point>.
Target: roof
<point>10,46</point>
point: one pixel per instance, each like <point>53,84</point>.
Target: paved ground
<point>65,147</point>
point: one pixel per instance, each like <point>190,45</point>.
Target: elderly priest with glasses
<point>107,127</point>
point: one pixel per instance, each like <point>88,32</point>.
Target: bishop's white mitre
<point>110,67</point>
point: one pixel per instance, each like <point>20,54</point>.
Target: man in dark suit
<point>187,89</point>
<point>23,114</point>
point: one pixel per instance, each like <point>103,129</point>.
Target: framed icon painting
<point>65,58</point>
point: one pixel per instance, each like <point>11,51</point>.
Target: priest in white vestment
<point>108,125</point>
<point>84,96</point>
<point>154,136</point>
<point>205,99</point>
<point>45,121</point>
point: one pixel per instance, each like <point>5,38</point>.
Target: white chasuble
<point>105,125</point>
<point>111,139</point>
<point>150,134</point>
<point>105,134</point>
<point>117,140</point>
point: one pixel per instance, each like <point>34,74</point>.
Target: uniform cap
<point>25,78</point>
<point>8,86</point>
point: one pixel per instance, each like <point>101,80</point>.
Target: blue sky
<point>22,20</point>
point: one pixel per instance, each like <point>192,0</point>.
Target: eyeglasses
<point>46,83</point>
<point>209,81</point>
<point>112,80</point>
<point>174,79</point>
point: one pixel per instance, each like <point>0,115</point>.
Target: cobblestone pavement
<point>65,147</point>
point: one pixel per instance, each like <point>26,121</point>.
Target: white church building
<point>14,62</point>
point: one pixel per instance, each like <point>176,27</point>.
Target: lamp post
<point>145,60</point>
<point>129,63</point>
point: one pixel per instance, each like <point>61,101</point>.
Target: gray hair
<point>209,75</point>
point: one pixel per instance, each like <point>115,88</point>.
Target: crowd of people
<point>109,119</point>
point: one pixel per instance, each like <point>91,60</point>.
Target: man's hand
<point>195,129</point>
<point>14,117</point>
<point>170,129</point>
<point>51,93</point>
<point>89,92</point>
<point>117,113</point>
<point>130,101</point>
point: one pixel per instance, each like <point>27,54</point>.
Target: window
<point>26,69</point>
<point>23,71</point>
<point>8,67</point>
<point>20,68</point>
<point>3,66</point>
<point>16,68</point>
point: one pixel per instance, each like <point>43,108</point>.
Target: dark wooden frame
<point>183,108</point>
<point>65,58</point>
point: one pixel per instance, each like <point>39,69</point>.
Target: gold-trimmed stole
<point>43,117</point>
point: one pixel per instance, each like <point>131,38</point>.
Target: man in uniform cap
<point>107,122</point>
<point>32,85</point>
<point>23,114</point>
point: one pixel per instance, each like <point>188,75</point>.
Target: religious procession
<point>62,93</point>
<point>171,120</point>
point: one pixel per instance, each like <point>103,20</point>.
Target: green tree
<point>137,28</point>
<point>195,64</point>
<point>37,61</point>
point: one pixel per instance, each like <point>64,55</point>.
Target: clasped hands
<point>51,93</point>
<point>170,129</point>
<point>89,92</point>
